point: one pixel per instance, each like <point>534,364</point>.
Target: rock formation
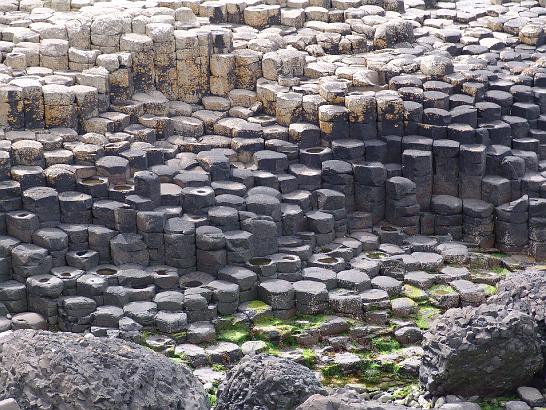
<point>480,351</point>
<point>44,370</point>
<point>267,382</point>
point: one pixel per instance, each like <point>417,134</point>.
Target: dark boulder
<point>482,351</point>
<point>44,370</point>
<point>267,382</point>
<point>525,291</point>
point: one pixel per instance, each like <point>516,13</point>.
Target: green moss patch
<point>405,391</point>
<point>272,329</point>
<point>213,399</point>
<point>499,255</point>
<point>414,293</point>
<point>219,368</point>
<point>376,255</point>
<point>425,316</point>
<point>497,403</point>
<point>285,332</point>
<point>372,374</point>
<point>179,337</point>
<point>272,349</point>
<point>232,329</point>
<point>236,334</point>
<point>441,290</point>
<point>258,306</point>
<point>309,357</point>
<point>489,290</point>
<point>385,344</point>
<point>500,270</point>
<point>180,360</point>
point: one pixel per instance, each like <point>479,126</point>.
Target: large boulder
<point>525,291</point>
<point>482,351</point>
<point>44,370</point>
<point>267,382</point>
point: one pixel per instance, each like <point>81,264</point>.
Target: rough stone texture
<point>345,399</point>
<point>267,382</point>
<point>480,351</point>
<point>525,291</point>
<point>61,370</point>
<point>167,163</point>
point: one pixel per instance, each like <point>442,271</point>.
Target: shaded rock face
<point>525,291</point>
<point>482,351</point>
<point>267,382</point>
<point>44,370</point>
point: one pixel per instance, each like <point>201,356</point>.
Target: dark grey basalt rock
<point>44,370</point>
<point>489,350</point>
<point>267,382</point>
<point>525,291</point>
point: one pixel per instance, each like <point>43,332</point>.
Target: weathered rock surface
<point>346,400</point>
<point>44,370</point>
<point>525,291</point>
<point>267,382</point>
<point>480,351</point>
